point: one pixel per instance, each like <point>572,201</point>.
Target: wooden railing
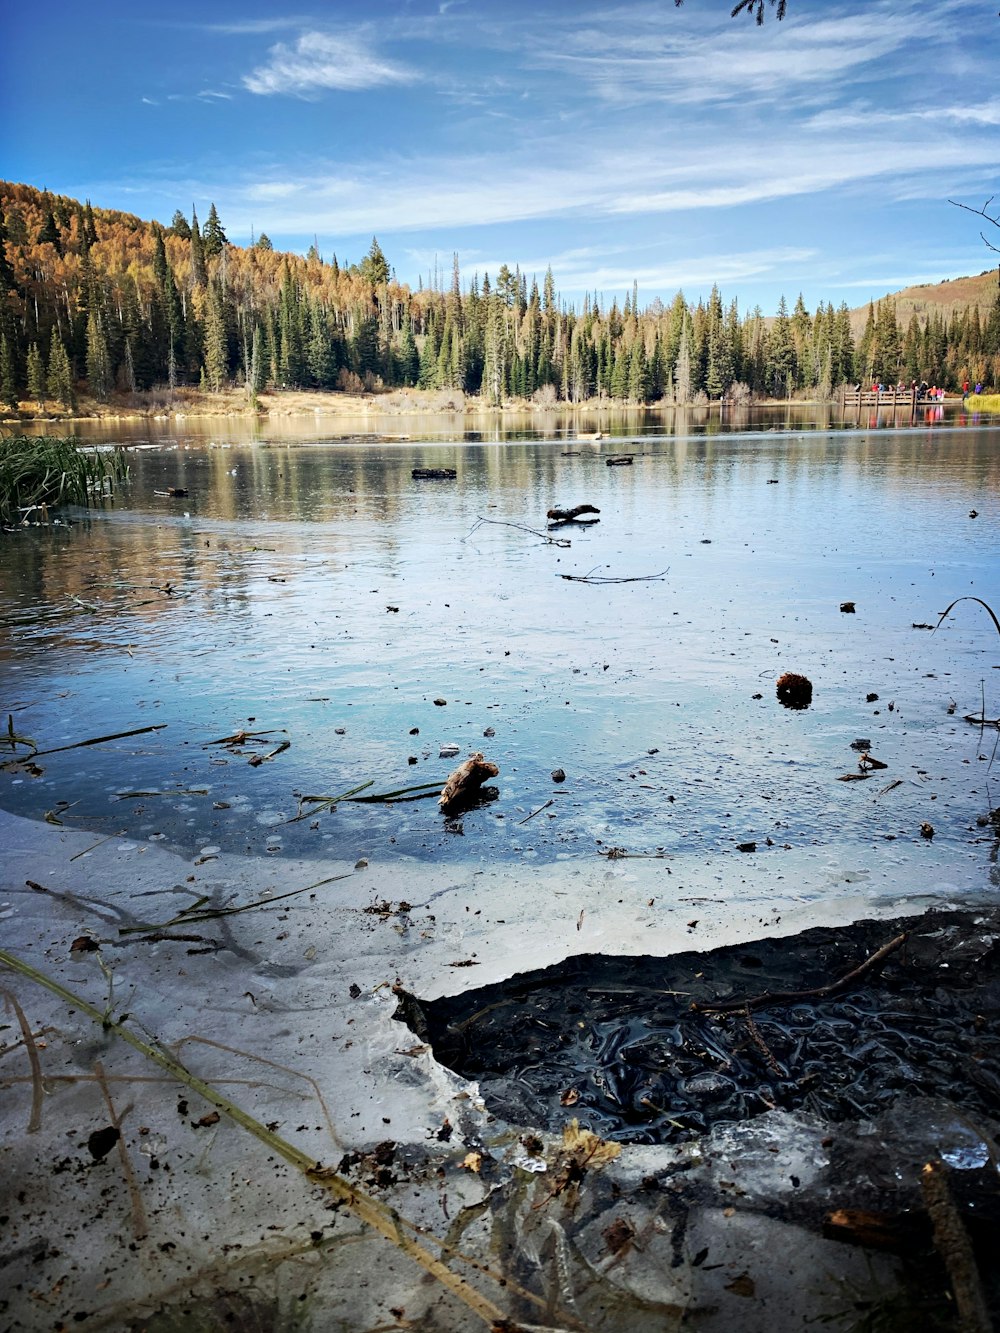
<point>894,400</point>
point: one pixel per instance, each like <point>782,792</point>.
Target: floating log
<point>434,473</point>
<point>625,460</point>
<point>174,492</point>
<point>589,435</point>
<point>465,781</point>
<point>558,515</point>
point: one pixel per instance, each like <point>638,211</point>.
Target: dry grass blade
<point>968,598</point>
<point>99,740</point>
<point>198,912</point>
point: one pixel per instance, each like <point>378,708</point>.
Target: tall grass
<point>38,472</point>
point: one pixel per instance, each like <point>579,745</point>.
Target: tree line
<point>101,301</point>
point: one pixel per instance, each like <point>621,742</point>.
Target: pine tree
<point>781,355</point>
<point>180,226</point>
<point>35,375</point>
<point>60,377</point>
<point>213,237</point>
<point>198,274</point>
<point>409,367</point>
<point>374,266</point>
<point>8,379</point>
<point>638,372</point>
<point>50,233</point>
<point>98,361</point>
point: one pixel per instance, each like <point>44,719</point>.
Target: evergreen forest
<point>102,303</point>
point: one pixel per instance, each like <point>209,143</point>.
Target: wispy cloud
<point>321,61</point>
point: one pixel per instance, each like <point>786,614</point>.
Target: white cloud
<point>322,61</point>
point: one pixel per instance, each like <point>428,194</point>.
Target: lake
<point>309,590</point>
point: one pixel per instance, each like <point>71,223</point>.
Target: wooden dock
<point>889,400</point>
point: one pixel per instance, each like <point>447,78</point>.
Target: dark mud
<point>616,1042</point>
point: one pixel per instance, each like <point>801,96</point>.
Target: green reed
<point>40,472</point>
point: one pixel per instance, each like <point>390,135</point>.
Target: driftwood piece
<point>466,780</point>
<point>817,993</point>
<point>558,515</point>
<point>434,473</point>
<point>951,1240</point>
<point>625,460</point>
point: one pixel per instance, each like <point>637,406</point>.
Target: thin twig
<point>535,812</point>
<point>503,523</point>
<point>817,993</point>
<point>600,578</point>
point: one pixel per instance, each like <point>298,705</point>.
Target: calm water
<point>315,591</point>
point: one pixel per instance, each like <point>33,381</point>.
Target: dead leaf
<point>472,1161</point>
<point>587,1147</point>
<point>570,1097</point>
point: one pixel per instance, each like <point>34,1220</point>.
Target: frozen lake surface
<point>315,592</point>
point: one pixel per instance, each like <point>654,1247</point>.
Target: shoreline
<point>184,403</point>
<point>192,402</point>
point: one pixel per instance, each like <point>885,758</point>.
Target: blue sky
<point>616,142</point>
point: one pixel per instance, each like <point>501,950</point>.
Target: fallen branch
<point>601,578</point>
<point>503,523</point>
<point>817,993</point>
<point>981,721</point>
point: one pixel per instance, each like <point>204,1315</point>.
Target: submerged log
<point>558,515</point>
<point>466,780</point>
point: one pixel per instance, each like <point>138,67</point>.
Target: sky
<point>620,143</point>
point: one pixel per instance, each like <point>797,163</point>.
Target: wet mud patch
<point>840,1023</point>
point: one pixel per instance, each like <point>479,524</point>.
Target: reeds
<point>39,472</point>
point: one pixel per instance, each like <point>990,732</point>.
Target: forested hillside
<point>101,302</point>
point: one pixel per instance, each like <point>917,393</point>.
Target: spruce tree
<point>8,379</point>
<point>213,237</point>
<point>98,361</point>
<point>198,274</point>
<point>60,377</point>
<point>35,375</point>
<point>50,233</point>
<point>180,226</point>
<point>216,364</point>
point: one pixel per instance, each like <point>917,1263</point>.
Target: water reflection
<point>318,590</point>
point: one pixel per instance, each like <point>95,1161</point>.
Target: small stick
<point>817,993</point>
<point>535,812</point>
<point>761,1044</point>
